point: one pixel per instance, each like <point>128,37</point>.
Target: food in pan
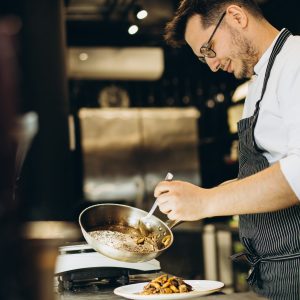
<point>166,240</point>
<point>165,285</point>
<point>128,238</point>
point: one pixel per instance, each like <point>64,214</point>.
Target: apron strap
<point>276,49</point>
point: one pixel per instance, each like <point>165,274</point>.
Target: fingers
<point>162,188</point>
<point>167,196</point>
<point>164,203</point>
<point>180,200</point>
<point>166,206</point>
<point>172,215</point>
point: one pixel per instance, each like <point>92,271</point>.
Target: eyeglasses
<point>206,49</point>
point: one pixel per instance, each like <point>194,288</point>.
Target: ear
<point>237,16</point>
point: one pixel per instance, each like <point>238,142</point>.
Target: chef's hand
<point>182,200</point>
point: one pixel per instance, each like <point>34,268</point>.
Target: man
<point>233,36</point>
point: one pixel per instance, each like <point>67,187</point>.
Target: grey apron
<point>271,240</point>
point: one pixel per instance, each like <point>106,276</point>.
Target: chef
<point>234,36</point>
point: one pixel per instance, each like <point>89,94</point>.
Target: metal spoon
<point>142,221</point>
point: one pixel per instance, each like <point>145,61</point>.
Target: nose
<point>214,64</point>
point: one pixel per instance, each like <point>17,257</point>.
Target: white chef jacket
<point>277,131</point>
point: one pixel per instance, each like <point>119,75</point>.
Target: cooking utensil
<point>143,221</point>
<point>102,215</point>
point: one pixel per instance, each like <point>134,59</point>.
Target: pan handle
<point>172,223</point>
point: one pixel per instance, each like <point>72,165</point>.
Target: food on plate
<point>166,285</point>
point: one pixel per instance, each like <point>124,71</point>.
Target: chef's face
<point>234,53</point>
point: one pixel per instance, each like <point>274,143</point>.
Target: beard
<point>246,54</point>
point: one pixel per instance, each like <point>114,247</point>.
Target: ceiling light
<point>142,14</point>
<point>220,97</point>
<point>133,29</point>
<point>83,56</point>
<point>210,103</point>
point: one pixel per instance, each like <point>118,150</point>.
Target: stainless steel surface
<point>127,150</point>
<point>100,215</point>
<point>115,63</point>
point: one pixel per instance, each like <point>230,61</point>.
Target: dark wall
<point>46,178</point>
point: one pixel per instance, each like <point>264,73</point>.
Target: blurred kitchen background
<point>95,108</point>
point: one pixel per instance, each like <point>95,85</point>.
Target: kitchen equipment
<point>78,265</point>
<point>101,215</point>
<point>115,141</point>
<point>142,222</point>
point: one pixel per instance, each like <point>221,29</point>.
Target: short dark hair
<point>210,11</point>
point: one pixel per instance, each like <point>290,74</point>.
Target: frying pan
<point>101,215</point>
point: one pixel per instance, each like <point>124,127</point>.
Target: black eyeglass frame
<point>206,49</point>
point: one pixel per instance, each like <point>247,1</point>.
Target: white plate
<point>200,288</point>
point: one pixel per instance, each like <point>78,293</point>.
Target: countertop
<point>107,294</point>
<point>104,291</point>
